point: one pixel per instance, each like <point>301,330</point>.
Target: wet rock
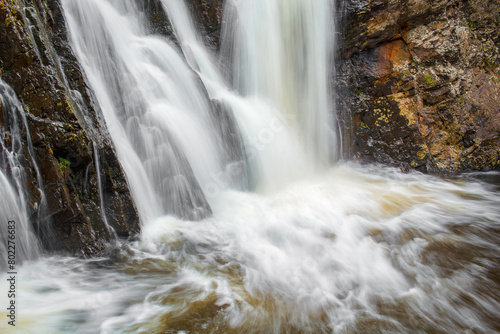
<point>37,62</point>
<point>157,18</point>
<point>421,82</point>
<point>208,16</point>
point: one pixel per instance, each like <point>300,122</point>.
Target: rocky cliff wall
<point>420,83</point>
<point>67,134</point>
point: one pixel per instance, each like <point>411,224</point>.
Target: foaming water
<point>348,249</point>
<point>356,250</point>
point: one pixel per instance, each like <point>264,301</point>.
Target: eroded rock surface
<point>208,17</point>
<point>67,134</point>
<point>422,83</point>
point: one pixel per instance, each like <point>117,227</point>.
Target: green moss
<point>64,164</point>
<point>472,25</point>
<point>430,80</point>
<point>488,64</point>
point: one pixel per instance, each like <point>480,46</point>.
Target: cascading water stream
<point>160,118</point>
<point>13,206</point>
<point>312,249</point>
<point>154,106</point>
<point>281,97</point>
<point>282,52</point>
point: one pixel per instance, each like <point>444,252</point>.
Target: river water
<point>354,250</point>
<point>250,222</point>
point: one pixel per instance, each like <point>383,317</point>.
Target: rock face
<point>420,83</point>
<point>69,140</point>
<point>155,15</point>
<point>208,16</point>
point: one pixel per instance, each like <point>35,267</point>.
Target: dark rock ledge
<point>37,62</point>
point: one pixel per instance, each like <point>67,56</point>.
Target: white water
<point>153,105</point>
<point>281,51</point>
<point>356,250</point>
<point>280,59</point>
<point>14,203</point>
<point>13,208</point>
<point>159,117</point>
<point>313,249</point>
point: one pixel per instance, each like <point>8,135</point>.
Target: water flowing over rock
<point>220,129</point>
<point>418,81</point>
<point>67,135</point>
<point>154,105</point>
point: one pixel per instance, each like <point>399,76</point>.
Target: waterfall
<point>160,102</point>
<point>276,65</point>
<point>160,118</point>
<point>245,139</point>
<point>14,204</point>
<point>281,51</point>
<point>153,104</point>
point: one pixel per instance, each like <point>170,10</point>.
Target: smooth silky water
<point>304,246</point>
<point>355,250</point>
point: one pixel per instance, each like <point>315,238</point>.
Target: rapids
<point>355,250</point>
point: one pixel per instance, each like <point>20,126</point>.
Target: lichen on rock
<point>432,67</point>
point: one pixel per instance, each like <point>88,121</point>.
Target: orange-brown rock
<point>422,82</point>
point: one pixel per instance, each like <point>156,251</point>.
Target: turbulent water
<point>247,227</point>
<point>355,250</point>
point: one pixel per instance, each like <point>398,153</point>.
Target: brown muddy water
<point>357,250</point>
